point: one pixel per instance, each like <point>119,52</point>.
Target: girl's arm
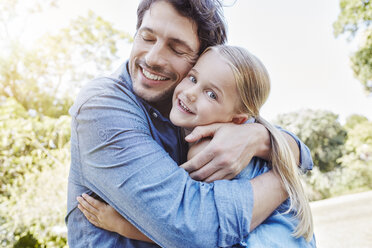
<point>104,216</point>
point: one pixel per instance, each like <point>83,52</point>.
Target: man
<point>125,150</point>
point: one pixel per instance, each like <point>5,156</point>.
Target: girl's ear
<point>239,118</point>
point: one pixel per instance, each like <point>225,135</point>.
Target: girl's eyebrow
<point>193,71</point>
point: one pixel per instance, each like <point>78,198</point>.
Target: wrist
<point>263,143</point>
<point>121,227</point>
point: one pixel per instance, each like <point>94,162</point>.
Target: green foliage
<point>26,140</point>
<point>357,162</point>
<point>353,15</point>
<point>34,154</point>
<point>355,172</point>
<point>321,132</point>
<point>28,240</point>
<point>356,15</point>
<point>361,61</point>
<point>354,120</point>
<point>37,85</point>
<point>22,76</point>
<point>48,76</point>
<point>342,154</point>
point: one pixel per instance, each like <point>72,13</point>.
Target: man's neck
<point>163,106</point>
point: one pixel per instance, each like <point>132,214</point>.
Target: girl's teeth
<point>152,76</point>
<point>184,107</point>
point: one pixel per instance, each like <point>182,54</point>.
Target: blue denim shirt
<point>124,151</point>
<point>276,231</point>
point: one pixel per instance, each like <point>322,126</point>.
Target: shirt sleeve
<point>306,162</point>
<point>121,162</point>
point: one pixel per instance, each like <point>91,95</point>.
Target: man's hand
<point>229,152</point>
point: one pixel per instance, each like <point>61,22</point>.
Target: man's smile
<point>152,76</point>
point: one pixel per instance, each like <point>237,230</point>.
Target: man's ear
<point>239,118</point>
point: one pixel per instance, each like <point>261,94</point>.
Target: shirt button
<point>154,114</point>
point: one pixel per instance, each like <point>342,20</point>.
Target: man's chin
<point>151,95</point>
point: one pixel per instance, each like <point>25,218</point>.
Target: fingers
<point>204,172</point>
<point>95,203</point>
<point>212,172</point>
<point>92,218</point>
<point>198,161</point>
<point>202,132</point>
<point>86,205</point>
<point>219,175</point>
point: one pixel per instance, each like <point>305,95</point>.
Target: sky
<point>308,66</point>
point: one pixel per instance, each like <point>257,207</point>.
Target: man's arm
<point>231,149</point>
<point>122,163</point>
<point>104,216</point>
<point>267,185</point>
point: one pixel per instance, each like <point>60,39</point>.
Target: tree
<point>356,15</point>
<point>357,161</point>
<point>34,157</point>
<point>37,85</point>
<point>321,132</point>
<point>47,76</point>
<point>14,16</point>
<point>354,120</point>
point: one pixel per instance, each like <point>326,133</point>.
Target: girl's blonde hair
<point>253,85</point>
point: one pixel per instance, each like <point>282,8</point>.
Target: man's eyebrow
<point>145,29</point>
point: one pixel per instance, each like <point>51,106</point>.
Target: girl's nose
<point>191,94</point>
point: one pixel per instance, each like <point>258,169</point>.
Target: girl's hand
<point>106,217</point>
<point>99,213</point>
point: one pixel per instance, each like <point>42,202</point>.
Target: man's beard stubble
<point>165,96</point>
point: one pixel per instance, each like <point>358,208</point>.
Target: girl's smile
<point>208,94</point>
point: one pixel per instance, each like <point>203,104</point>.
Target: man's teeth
<point>184,107</point>
<point>152,76</point>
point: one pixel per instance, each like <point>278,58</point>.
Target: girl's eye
<point>192,79</point>
<point>212,95</point>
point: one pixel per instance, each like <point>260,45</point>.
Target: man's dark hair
<point>207,14</point>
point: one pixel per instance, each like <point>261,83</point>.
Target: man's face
<point>164,50</point>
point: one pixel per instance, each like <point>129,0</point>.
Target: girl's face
<point>208,94</point>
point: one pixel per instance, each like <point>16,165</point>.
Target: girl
<point>207,95</point>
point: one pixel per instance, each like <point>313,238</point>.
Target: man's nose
<point>156,55</point>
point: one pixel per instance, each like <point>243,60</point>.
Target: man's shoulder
<point>106,88</point>
<point>105,85</point>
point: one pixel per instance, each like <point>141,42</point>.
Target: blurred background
<point>318,54</point>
